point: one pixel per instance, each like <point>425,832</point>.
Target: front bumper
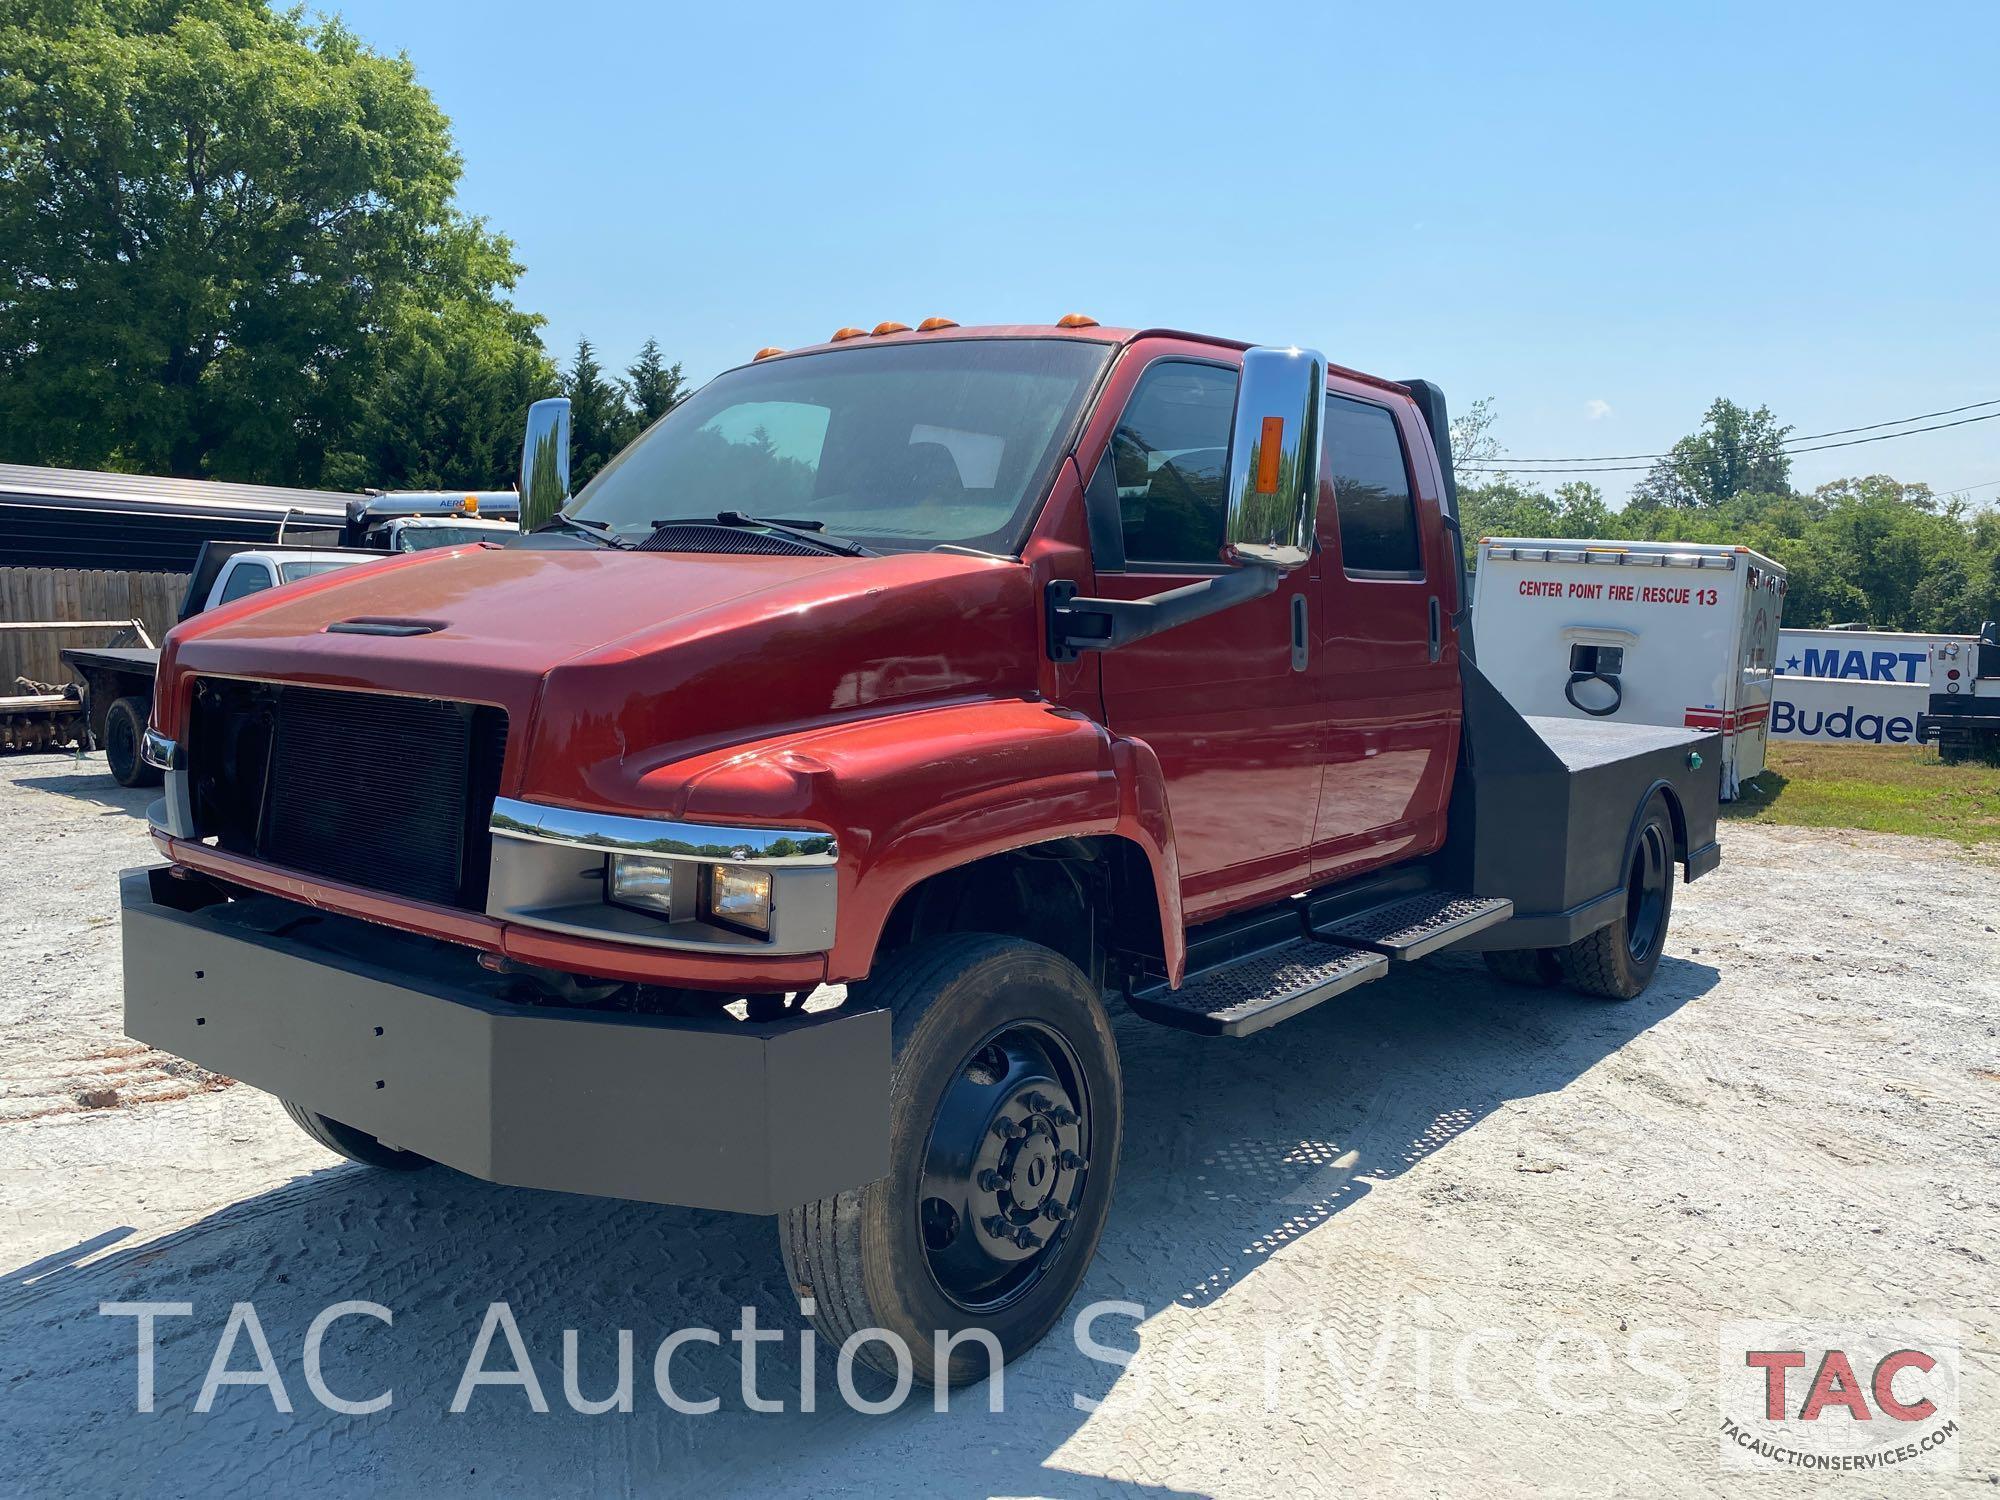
<point>408,1040</point>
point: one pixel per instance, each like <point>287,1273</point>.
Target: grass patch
<point>1882,789</point>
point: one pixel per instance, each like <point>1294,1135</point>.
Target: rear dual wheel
<point>1003,1146</point>
<point>1617,961</point>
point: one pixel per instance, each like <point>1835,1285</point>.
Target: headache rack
<point>376,790</point>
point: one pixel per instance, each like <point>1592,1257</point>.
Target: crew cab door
<point>1393,702</point>
<point>1228,703</point>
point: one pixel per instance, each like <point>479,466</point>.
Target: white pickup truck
<point>118,680</point>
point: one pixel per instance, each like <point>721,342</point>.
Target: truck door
<point>1229,703</point>
<point>1390,657</point>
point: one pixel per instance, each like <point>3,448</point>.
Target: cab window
<point>1170,457</point>
<point>1371,491</point>
<point>245,579</point>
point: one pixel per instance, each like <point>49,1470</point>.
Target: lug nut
<point>991,1181</point>
<point>1057,1210</point>
<point>1062,1114</point>
<point>1041,1104</point>
<point>1071,1161</point>
<point>1026,1238</point>
<point>997,1227</point>
<point>1008,1130</point>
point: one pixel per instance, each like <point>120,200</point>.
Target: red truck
<point>1001,676</point>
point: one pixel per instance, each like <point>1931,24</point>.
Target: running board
<point>1413,926</point>
<point>1259,990</point>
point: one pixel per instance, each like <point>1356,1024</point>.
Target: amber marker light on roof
<point>932,325</point>
<point>1076,320</point>
<point>882,328</point>
<point>848,333</point>
<point>766,352</point>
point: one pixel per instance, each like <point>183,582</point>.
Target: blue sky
<point>1601,216</point>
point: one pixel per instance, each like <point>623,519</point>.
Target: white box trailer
<point>1671,633</point>
<point>1857,687</point>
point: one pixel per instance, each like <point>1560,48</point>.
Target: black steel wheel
<point>124,731</point>
<point>1618,960</point>
<point>1004,1119</point>
<point>1005,1167</point>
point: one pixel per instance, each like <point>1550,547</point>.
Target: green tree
<point>601,420</point>
<point>1735,452</point>
<point>229,247</point>
<point>656,386</point>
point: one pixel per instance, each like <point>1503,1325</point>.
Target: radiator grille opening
<point>388,793</point>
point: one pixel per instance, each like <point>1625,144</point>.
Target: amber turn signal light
<point>1270,448</point>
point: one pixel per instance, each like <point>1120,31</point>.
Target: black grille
<point>702,537</point>
<point>392,794</point>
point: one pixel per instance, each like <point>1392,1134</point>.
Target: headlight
<point>645,883</point>
<point>739,896</point>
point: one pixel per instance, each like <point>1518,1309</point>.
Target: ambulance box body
<point>1674,633</point>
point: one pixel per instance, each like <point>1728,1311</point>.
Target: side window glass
<point>245,579</point>
<point>1170,455</point>
<point>1371,490</point>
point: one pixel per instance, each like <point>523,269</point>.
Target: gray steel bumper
<point>405,1039</point>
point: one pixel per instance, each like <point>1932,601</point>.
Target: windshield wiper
<point>597,531</point>
<point>812,533</point>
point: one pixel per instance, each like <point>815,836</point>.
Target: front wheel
<point>1004,1126</point>
<point>345,1140</point>
<point>1617,961</point>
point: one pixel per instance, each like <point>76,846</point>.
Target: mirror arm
<point>1078,624</point>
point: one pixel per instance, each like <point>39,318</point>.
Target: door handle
<point>1301,640</point>
<point>1437,629</point>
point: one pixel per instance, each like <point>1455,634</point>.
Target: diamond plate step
<point>1260,990</point>
<point>1413,926</point>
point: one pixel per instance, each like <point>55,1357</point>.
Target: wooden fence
<point>58,594</point>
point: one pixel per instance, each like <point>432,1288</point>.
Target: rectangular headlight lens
<point>644,883</point>
<point>739,896</point>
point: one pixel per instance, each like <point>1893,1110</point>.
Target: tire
<point>1534,968</point>
<point>345,1140</point>
<point>124,733</point>
<point>1617,961</point>
<point>986,1030</point>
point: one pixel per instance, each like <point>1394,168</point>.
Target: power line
<point>1806,437</point>
<point>1500,465</point>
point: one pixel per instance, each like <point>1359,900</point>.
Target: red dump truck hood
<point>611,662</point>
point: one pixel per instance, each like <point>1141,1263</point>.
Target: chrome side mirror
<point>1274,451</point>
<point>545,462</point>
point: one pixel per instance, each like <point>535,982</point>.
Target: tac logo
<point>1839,1397</point>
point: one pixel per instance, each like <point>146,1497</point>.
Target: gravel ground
<point>1800,1119</point>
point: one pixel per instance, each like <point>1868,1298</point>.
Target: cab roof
<point>1091,333</point>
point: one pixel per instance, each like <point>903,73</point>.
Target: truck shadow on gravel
<point>85,780</point>
<point>1233,1151</point>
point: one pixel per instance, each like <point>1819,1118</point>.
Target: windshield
<point>901,446</point>
<point>294,571</point>
<point>422,538</point>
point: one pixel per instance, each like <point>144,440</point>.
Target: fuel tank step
<point>1259,990</point>
<point>1412,926</point>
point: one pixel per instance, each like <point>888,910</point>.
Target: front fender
<point>911,795</point>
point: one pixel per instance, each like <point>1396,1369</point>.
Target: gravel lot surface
<point>1800,1119</point>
